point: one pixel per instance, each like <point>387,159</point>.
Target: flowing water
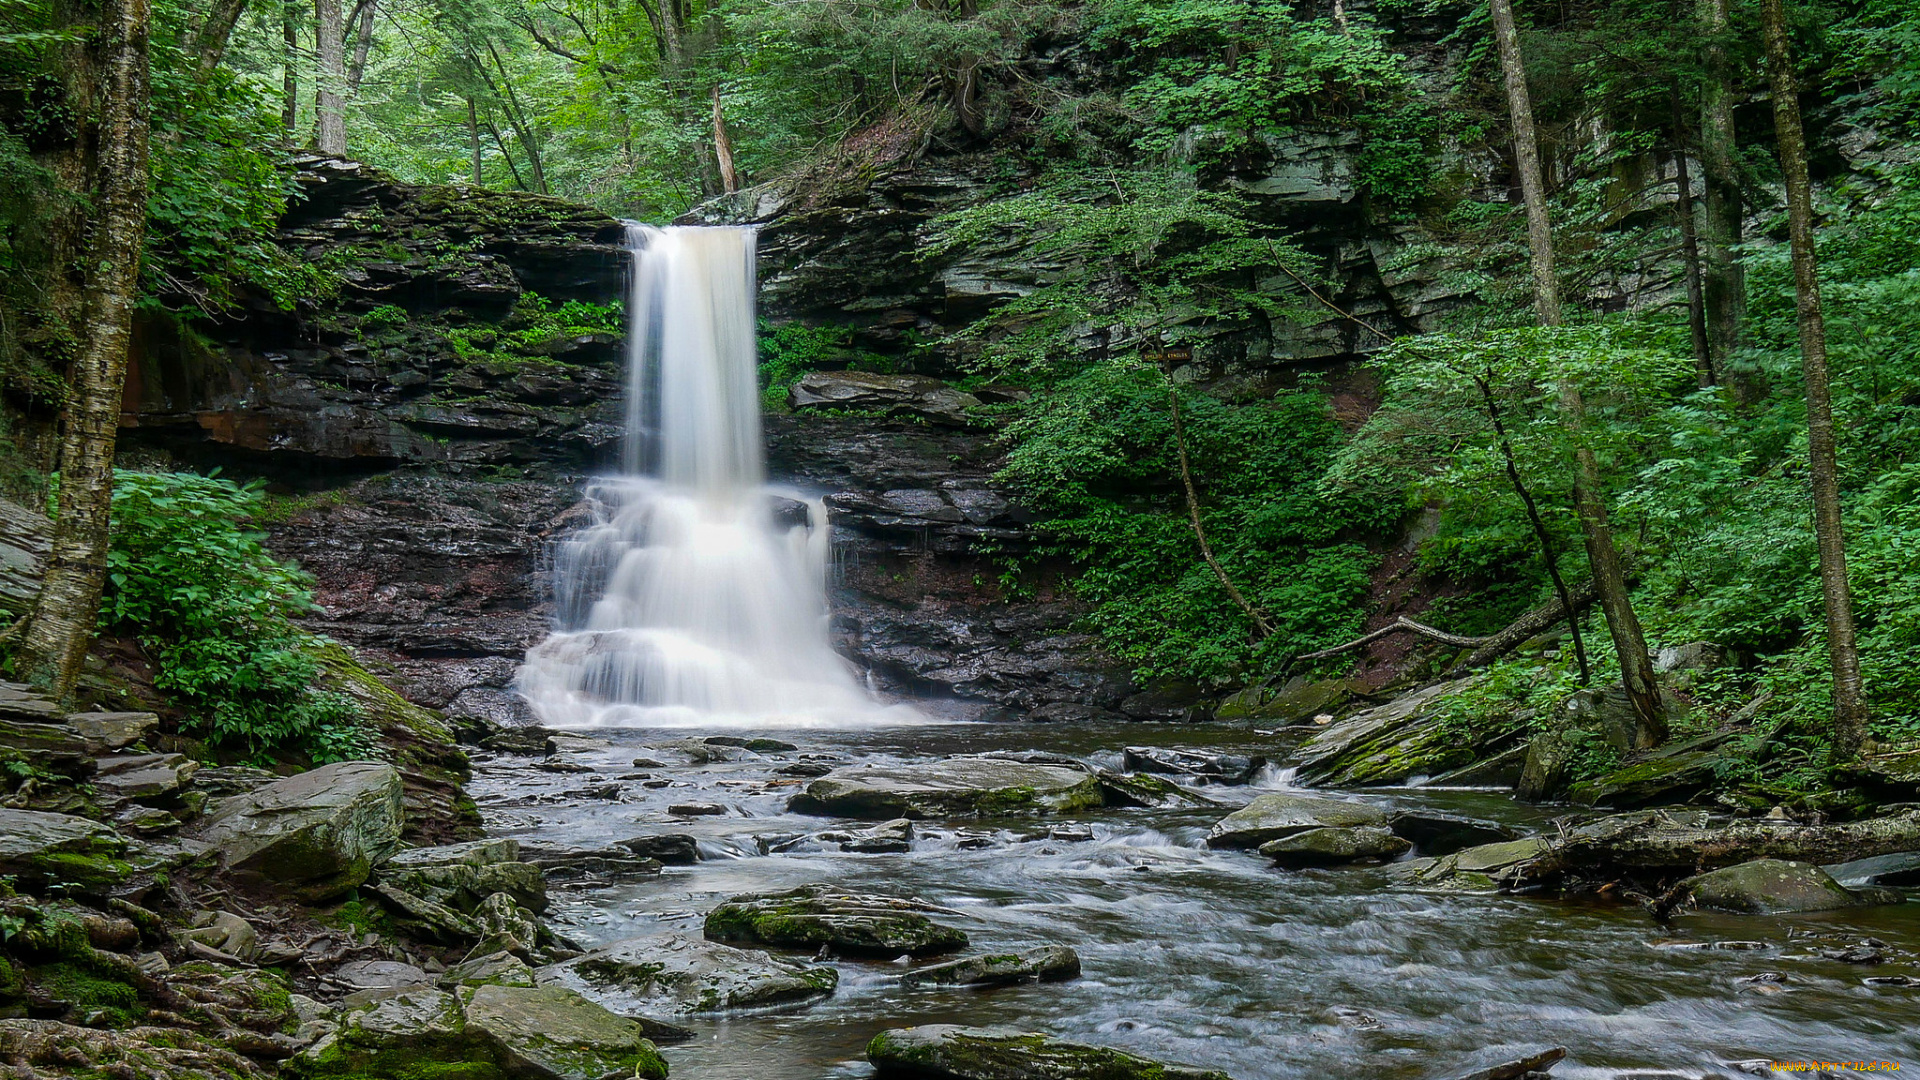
<point>696,596</point>
<point>694,600</point>
<point>1214,957</point>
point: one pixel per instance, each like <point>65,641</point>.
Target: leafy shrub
<point>187,576</point>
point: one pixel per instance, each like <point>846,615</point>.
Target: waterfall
<point>697,595</point>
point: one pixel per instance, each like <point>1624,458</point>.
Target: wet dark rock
<point>677,974</point>
<point>1531,1067</point>
<point>1210,768</point>
<point>109,731</point>
<point>1054,963</point>
<point>805,768</point>
<point>1543,773</point>
<point>1503,770</point>
<point>1672,774</point>
<point>956,786</point>
<point>1770,887</point>
<point>770,746</point>
<point>1298,701</point>
<point>1145,791</point>
<point>1168,701</point>
<point>952,1052</point>
<point>1474,869</point>
<point>1434,833</point>
<point>1902,868</point>
<point>462,876</point>
<point>312,836</point>
<point>819,915</point>
<point>672,848</point>
<point>699,809</point>
<point>572,864</point>
<point>1273,817</point>
<point>893,395</point>
<point>1335,847</point>
<point>424,919</point>
<point>144,777</point>
<point>529,740</point>
<point>889,837</point>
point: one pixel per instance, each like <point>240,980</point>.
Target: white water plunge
<point>697,597</point>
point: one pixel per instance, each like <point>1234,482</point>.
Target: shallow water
<point>1214,958</point>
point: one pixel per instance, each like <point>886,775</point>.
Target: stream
<point>1208,957</point>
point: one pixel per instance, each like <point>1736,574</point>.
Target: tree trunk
<point>330,103</point>
<point>1849,711</point>
<point>362,44</point>
<point>1609,577</point>
<point>208,41</point>
<point>1723,286</point>
<point>1651,846</point>
<point>473,137</point>
<point>1690,252</point>
<point>290,72</point>
<point>61,624</point>
<point>723,147</point>
<point>1261,628</point>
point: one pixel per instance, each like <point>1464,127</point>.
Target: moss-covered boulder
<point>1271,817</point>
<point>956,787</point>
<point>815,915</point>
<point>1772,887</point>
<point>484,1032</point>
<point>953,1052</point>
<point>41,849</point>
<point>1430,731</point>
<point>312,836</point>
<point>1335,847</point>
<point>1052,963</point>
<point>672,973</point>
<point>1672,774</point>
<point>1475,869</point>
<point>462,876</point>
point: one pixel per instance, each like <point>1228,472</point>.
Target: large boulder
<point>1418,734</point>
<point>1475,869</point>
<point>463,876</point>
<point>311,836</point>
<point>1672,774</point>
<point>1335,847</point>
<point>1211,768</point>
<point>41,849</point>
<point>1271,817</point>
<point>954,787</point>
<point>1434,833</point>
<point>486,1032</point>
<point>672,973</point>
<point>1771,887</point>
<point>894,395</point>
<point>953,1052</point>
<point>1052,963</point>
<point>815,915</point>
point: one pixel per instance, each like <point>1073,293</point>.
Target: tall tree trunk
<point>1610,579</point>
<point>516,119</point>
<point>290,71</point>
<point>1690,260</point>
<point>61,624</point>
<point>473,138</point>
<point>362,43</point>
<point>1849,711</point>
<point>1723,281</point>
<point>723,147</point>
<point>330,103</point>
<point>208,40</point>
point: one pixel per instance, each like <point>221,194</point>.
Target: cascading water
<point>697,595</point>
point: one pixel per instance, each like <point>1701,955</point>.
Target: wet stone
<point>819,915</point>
<point>1053,963</point>
<point>698,809</point>
<point>1335,847</point>
<point>953,1052</point>
<point>1271,817</point>
<point>677,974</point>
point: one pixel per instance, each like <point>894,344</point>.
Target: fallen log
<point>1485,649</point>
<point>1653,844</point>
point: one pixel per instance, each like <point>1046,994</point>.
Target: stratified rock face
<point>894,395</point>
<point>672,973</point>
<point>952,1052</point>
<point>312,836</point>
<point>1272,817</point>
<point>1413,735</point>
<point>463,876</point>
<point>954,787</point>
<point>816,915</point>
<point>374,376</point>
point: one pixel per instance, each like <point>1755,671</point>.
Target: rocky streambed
<point>1180,902</point>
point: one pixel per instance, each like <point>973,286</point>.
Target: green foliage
<point>1098,454</point>
<point>194,583</point>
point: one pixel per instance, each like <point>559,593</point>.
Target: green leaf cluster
<point>196,585</point>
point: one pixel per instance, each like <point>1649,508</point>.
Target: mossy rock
<point>1336,847</point>
<point>956,787</point>
<point>1772,887</point>
<point>953,1052</point>
<point>42,849</point>
<point>1273,817</point>
<point>673,973</point>
<point>1418,734</point>
<point>815,915</point>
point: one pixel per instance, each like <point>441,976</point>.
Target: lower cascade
<point>697,594</point>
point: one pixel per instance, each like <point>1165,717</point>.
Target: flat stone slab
<point>1272,817</point>
<point>953,1052</point>
<point>41,848</point>
<point>1335,846</point>
<point>962,786</point>
<point>677,974</point>
<point>815,915</point>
